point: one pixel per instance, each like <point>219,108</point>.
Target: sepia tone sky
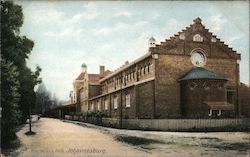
<point>68,33</point>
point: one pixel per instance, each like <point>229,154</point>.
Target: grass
<point>11,149</point>
<point>134,140</point>
<point>215,139</point>
<point>236,146</point>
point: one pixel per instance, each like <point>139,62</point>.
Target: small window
<point>106,105</point>
<point>115,103</point>
<point>127,100</point>
<point>98,106</point>
<point>197,38</point>
<point>92,106</point>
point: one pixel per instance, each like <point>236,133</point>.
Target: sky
<point>69,33</point>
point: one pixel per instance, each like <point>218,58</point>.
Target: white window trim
<point>219,114</point>
<point>197,38</point>
<point>106,104</point>
<point>210,112</point>
<point>127,102</point>
<point>115,103</point>
<point>98,106</point>
<point>92,107</point>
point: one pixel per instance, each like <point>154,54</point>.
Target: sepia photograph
<point>125,78</point>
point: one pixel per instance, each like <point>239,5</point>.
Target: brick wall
<point>244,95</point>
<point>169,68</point>
<point>145,100</point>
<point>192,98</point>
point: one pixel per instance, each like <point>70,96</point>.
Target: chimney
<point>102,70</point>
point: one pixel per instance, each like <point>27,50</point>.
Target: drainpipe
<point>120,102</point>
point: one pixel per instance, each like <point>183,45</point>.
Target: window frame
<point>115,103</point>
<point>127,101</point>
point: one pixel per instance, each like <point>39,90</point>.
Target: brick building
<point>192,74</point>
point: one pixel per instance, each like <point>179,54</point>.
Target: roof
<point>197,27</point>
<point>107,72</point>
<point>93,78</point>
<point>84,65</point>
<point>126,66</point>
<point>220,105</point>
<point>80,76</point>
<point>152,39</point>
<point>201,73</point>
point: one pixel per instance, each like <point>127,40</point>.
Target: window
<point>197,38</point>
<point>214,113</point>
<point>115,103</point>
<point>213,39</point>
<point>127,100</point>
<point>92,106</point>
<point>182,36</point>
<point>98,106</point>
<point>106,105</point>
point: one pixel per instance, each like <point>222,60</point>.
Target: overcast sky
<point>68,33</point>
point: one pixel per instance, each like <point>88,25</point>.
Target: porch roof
<point>220,105</point>
<point>201,73</point>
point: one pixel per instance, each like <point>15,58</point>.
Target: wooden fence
<point>226,124</point>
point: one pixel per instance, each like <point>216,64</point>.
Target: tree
<point>55,101</point>
<point>17,80</point>
<point>44,100</point>
<point>16,49</point>
<point>9,102</point>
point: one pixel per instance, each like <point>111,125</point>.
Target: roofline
<point>126,66</point>
<point>66,105</point>
<point>131,85</point>
<point>93,74</point>
<point>203,78</point>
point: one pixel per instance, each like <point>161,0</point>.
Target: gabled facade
<point>86,86</point>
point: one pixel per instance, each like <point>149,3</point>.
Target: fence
<point>239,124</point>
<point>226,124</point>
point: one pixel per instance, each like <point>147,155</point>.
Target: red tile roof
<point>93,78</point>
<point>107,72</point>
<point>80,76</point>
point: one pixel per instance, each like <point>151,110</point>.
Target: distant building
<point>86,86</point>
<point>193,74</point>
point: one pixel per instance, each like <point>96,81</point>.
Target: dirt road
<point>76,139</point>
<point>56,138</point>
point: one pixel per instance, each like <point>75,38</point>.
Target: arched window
<point>198,38</point>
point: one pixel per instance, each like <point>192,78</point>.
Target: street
<point>55,137</point>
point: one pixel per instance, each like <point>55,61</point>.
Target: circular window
<point>198,58</point>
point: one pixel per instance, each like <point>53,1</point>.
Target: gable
<point>196,36</point>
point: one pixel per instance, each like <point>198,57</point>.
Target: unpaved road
<point>57,138</point>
